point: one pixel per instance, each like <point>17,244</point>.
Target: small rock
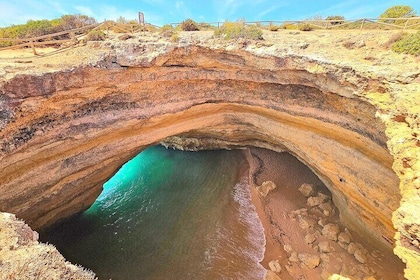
<point>343,245</point>
<point>351,249</point>
<point>307,189</point>
<point>309,260</point>
<point>344,237</point>
<point>288,248</point>
<point>326,206</point>
<point>125,37</point>
<point>325,258</point>
<point>324,247</point>
<point>266,187</point>
<point>360,256</point>
<point>314,201</point>
<point>271,275</point>
<point>331,231</point>
<point>275,266</point>
<point>306,223</point>
<point>323,197</point>
<point>310,238</point>
<point>293,257</point>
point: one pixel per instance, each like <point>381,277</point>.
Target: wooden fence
<point>389,23</point>
<point>74,34</point>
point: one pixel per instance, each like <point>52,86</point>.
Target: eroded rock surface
<point>66,130</point>
<point>23,257</point>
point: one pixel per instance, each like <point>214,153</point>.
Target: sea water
<point>168,214</point>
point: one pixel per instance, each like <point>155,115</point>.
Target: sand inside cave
<point>294,231</point>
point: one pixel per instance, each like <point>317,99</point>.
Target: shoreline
<point>295,233</point>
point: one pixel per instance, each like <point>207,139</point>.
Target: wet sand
<point>290,224</point>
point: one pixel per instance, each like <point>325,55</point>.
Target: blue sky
<point>160,12</point>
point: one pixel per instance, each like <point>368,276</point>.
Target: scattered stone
<point>323,197</point>
<point>271,275</point>
<point>314,201</point>
<point>324,247</point>
<point>343,245</point>
<point>125,37</point>
<point>317,200</point>
<point>293,257</point>
<point>344,237</point>
<point>288,248</point>
<point>275,266</point>
<point>300,212</point>
<point>369,278</point>
<point>310,238</point>
<point>325,258</point>
<point>360,256</point>
<point>306,223</point>
<point>348,233</point>
<point>304,46</point>
<point>351,249</point>
<point>266,187</point>
<point>309,260</point>
<point>331,231</point>
<point>307,189</point>
<point>326,206</point>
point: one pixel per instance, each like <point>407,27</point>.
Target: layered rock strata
<point>64,133</point>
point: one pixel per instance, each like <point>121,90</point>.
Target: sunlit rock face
<point>65,133</point>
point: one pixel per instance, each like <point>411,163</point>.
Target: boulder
<point>331,231</point>
<point>324,247</point>
<point>309,260</point>
<point>266,187</point>
<point>307,189</point>
<point>360,256</point>
<point>344,237</point>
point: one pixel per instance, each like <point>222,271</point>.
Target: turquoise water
<point>168,215</point>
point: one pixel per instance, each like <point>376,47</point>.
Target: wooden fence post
<point>33,47</point>
<point>363,22</point>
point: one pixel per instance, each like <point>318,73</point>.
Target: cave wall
<point>64,134</point>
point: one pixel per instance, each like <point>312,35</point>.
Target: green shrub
<point>167,31</point>
<point>335,20</point>
<point>95,35</point>
<point>409,44</point>
<point>189,25</point>
<point>236,30</point>
<point>305,27</point>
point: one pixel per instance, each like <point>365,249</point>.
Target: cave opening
<point>170,214</point>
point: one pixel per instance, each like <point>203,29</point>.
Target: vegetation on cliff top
<point>34,28</point>
<point>239,30</point>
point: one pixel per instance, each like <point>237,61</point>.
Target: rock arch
<point>65,133</point>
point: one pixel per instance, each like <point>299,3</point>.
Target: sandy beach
<point>306,243</point>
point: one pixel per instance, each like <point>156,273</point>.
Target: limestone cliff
<point>65,131</point>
